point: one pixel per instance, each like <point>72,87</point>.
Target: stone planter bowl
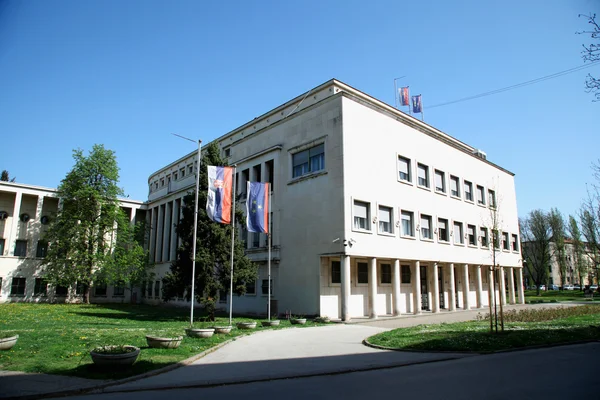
<point>298,321</point>
<point>163,343</point>
<point>222,329</point>
<point>274,322</point>
<point>246,325</point>
<point>8,342</point>
<point>200,332</point>
<point>115,360</point>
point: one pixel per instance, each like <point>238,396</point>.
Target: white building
<point>373,211</point>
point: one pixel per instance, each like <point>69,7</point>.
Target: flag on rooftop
<point>417,105</point>
<point>404,96</point>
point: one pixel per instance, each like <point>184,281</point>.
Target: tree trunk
<point>86,294</point>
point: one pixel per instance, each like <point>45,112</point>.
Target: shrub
<point>545,314</point>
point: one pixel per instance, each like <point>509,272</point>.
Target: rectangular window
<point>21,248</point>
<point>385,220</point>
<point>150,289</point>
<point>119,290</point>
<point>257,172</point>
<point>182,172</point>
<point>480,195</point>
<point>157,289</point>
<point>471,235</point>
<point>505,241</point>
<point>423,175</point>
<point>61,290</point>
<point>405,273</point>
<point>426,232</point>
<point>454,186</point>
<point>42,249</point>
<point>1,247</point>
<point>361,215</point>
<point>270,172</point>
<point>143,289</point>
<point>175,175</point>
<point>386,273</point>
<point>18,287</point>
<point>308,161</point>
<point>468,191</point>
<point>227,152</point>
<point>80,288</point>
<point>100,289</point>
<point>162,182</point>
<point>41,287</point>
<point>251,287</point>
<point>440,181</point>
<point>408,223</point>
<point>362,270</point>
<point>336,272</point>
<point>496,238</point>
<point>404,169</point>
<point>492,198</point>
<point>515,243</point>
<point>483,235</point>
<point>458,233</point>
<point>443,234</point>
<point>265,287</point>
<point>190,169</point>
<point>243,185</point>
<point>255,239</point>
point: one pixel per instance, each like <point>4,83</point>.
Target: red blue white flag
<point>404,96</point>
<point>417,105</point>
<point>257,207</point>
<point>218,200</point>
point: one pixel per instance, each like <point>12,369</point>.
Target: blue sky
<point>128,73</point>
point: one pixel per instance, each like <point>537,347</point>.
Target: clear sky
<point>128,73</point>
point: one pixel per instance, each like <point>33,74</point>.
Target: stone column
<point>479,287</point>
<point>396,288</point>
<point>166,256</point>
<point>159,233</point>
<point>511,285</point>
<point>37,225</point>
<point>12,237</point>
<point>435,296</point>
<point>345,275</point>
<point>373,288</point>
<point>452,296</point>
<point>153,221</point>
<point>465,280</point>
<point>174,221</point>
<point>502,285</point>
<point>417,287</point>
<point>520,286</point>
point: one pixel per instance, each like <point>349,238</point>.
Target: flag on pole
<point>417,106</point>
<point>218,200</point>
<point>404,96</point>
<point>257,207</point>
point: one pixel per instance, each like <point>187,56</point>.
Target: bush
<point>545,314</point>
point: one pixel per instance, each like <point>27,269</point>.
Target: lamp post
<point>195,226</point>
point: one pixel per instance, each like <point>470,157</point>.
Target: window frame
<point>2,246</point>
<point>403,274</point>
<point>391,220</point>
<point>412,224</point>
<point>264,289</point>
<point>18,286</point>
<point>480,190</point>
<point>119,290</point>
<point>23,248</point>
<point>331,272</point>
<point>461,234</point>
<point>505,241</point>
<point>492,199</point>
<point>427,185</point>
<point>421,217</point>
<point>367,218</point>
<point>388,274</point>
<point>103,290</point>
<point>444,189</point>
<point>41,249</point>
<point>439,233</point>
<point>37,287</point>
<point>454,178</point>
<point>468,184</point>
<point>247,284</point>
<point>358,273</point>
<point>474,244</point>
<point>409,180</point>
<point>514,242</point>
<point>309,164</point>
<point>483,229</point>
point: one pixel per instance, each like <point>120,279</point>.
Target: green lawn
<point>551,327</point>
<point>547,296</point>
<point>57,338</point>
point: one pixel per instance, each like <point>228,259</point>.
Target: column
<point>152,246</point>
<point>502,285</point>
<point>416,287</point>
<point>159,232</point>
<point>396,288</point>
<point>452,297</point>
<point>479,287</point>
<point>167,232</point>
<point>37,226</point>
<point>373,288</point>
<point>435,296</point>
<point>466,287</point>
<point>520,285</point>
<point>14,224</point>
<point>511,285</point>
<point>175,221</point>
<point>491,284</point>
<point>345,275</point>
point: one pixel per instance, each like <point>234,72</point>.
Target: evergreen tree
<point>213,249</point>
<point>5,176</point>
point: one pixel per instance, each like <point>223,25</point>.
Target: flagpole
<point>195,232</point>
<point>269,227</point>
<point>233,191</point>
<point>422,113</point>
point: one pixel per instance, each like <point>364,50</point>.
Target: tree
<point>579,262</point>
<point>213,250</point>
<point>589,217</point>
<point>5,177</point>
<point>535,235</point>
<point>91,239</point>
<point>591,53</point>
<point>557,226</point>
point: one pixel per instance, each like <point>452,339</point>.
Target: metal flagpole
<point>396,95</point>
<point>195,232</point>
<point>422,113</point>
<point>233,191</point>
<point>269,228</point>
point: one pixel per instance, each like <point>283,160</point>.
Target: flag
<point>417,106</point>
<point>404,96</point>
<point>218,200</point>
<point>257,207</point>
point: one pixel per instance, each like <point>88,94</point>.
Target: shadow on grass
<point>135,312</point>
<point>93,371</point>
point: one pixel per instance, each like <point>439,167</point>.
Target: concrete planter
<point>322,320</point>
<point>200,332</point>
<point>274,322</point>
<point>115,359</point>
<point>298,321</point>
<point>163,343</point>
<point>222,329</point>
<point>8,342</point>
<point>246,325</point>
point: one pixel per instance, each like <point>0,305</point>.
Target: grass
<point>557,296</point>
<point>558,327</point>
<point>57,338</point>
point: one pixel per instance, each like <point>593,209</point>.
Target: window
<point>119,290</point>
<point>440,181</point>
<point>42,249</point>
<point>361,215</point>
<point>443,234</point>
<point>458,233</point>
<point>404,169</point>
<point>1,247</point>
<point>61,290</point>
<point>155,185</point>
<point>265,287</point>
<point>362,270</point>
<point>227,152</point>
<point>21,248</point>
<point>483,235</point>
<point>308,161</point>
<point>505,242</point>
<point>426,227</point>
<point>386,273</point>
<point>423,175</point>
<point>454,186</point>
<point>385,220</point>
<point>255,239</point>
<point>492,198</point>
<point>405,273</point>
<point>468,191</point>
<point>143,289</point>
<point>471,235</point>
<point>182,172</point>
<point>336,272</point>
<point>80,288</point>
<point>515,242</point>
<point>480,195</point>
<point>157,289</point>
<point>408,224</point>
<point>149,289</point>
<point>41,287</point>
<point>257,172</point>
<point>18,287</point>
<point>162,182</point>
<point>190,169</point>
<point>175,175</point>
<point>251,287</point>
<point>496,237</point>
<point>100,289</point>
<point>270,172</point>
